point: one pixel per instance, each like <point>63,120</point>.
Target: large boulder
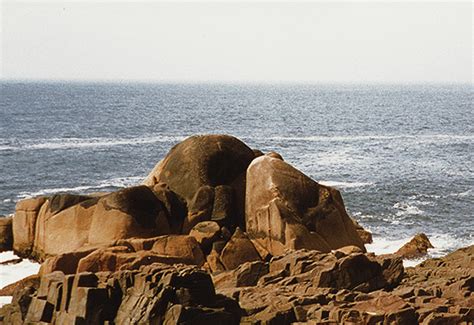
<point>62,230</point>
<point>24,224</point>
<point>66,223</point>
<point>131,212</point>
<point>285,209</point>
<point>196,166</point>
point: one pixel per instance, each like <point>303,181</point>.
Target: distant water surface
<point>402,155</point>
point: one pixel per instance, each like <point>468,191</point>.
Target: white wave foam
<point>6,148</point>
<point>407,209</point>
<point>118,182</point>
<point>334,158</point>
<point>345,184</point>
<point>462,194</point>
<point>442,243</point>
<point>14,272</point>
<point>74,143</point>
<point>422,137</point>
<point>382,245</point>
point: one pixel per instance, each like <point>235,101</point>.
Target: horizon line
<point>249,82</point>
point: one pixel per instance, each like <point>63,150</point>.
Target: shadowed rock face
<point>64,223</point>
<point>201,160</point>
<point>6,234</point>
<point>155,294</point>
<point>202,179</point>
<point>285,209</point>
<point>195,167</point>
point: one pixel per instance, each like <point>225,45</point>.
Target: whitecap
<point>407,209</point>
<point>345,184</point>
<point>462,194</point>
<point>422,138</point>
<point>442,245</point>
<point>118,182</point>
<point>74,143</point>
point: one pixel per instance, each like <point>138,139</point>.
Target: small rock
<point>416,247</point>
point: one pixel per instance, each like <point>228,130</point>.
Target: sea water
<point>402,155</point>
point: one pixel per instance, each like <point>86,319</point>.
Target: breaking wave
<point>119,182</point>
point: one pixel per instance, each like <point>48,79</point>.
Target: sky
<point>389,42</point>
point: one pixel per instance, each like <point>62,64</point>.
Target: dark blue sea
<point>402,155</point>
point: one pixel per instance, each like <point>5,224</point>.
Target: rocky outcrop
<point>364,234</point>
<point>208,173</point>
<point>145,254</point>
<point>66,223</point>
<point>313,287</point>
<point>6,234</point>
<point>308,286</point>
<point>154,294</point>
<point>201,184</point>
<point>286,209</point>
<point>415,248</point>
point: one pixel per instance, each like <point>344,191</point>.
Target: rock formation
<point>155,294</point>
<point>286,209</point>
<point>303,286</point>
<point>223,234</point>
<point>6,234</point>
<point>416,247</point>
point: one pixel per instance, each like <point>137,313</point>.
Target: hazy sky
<point>310,42</point>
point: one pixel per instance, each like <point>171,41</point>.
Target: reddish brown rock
<point>238,250</point>
<point>131,212</point>
<point>245,275</point>
<point>66,263</point>
<point>29,281</point>
<point>153,293</point>
<point>364,234</point>
<point>348,250</point>
<point>184,247</point>
<point>206,233</point>
<point>24,225</point>
<point>6,234</point>
<point>174,205</point>
<point>66,231</point>
<point>214,262</point>
<point>204,161</point>
<point>416,247</point>
<point>285,209</point>
<point>66,223</point>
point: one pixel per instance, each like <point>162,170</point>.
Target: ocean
<point>401,155</point>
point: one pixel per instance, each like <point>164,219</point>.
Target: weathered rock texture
<point>416,247</point>
<point>202,183</point>
<point>286,209</point>
<point>145,254</point>
<point>6,234</point>
<point>154,294</point>
<point>24,225</point>
<point>208,173</point>
<point>343,286</point>
<point>62,223</point>
<point>313,288</point>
